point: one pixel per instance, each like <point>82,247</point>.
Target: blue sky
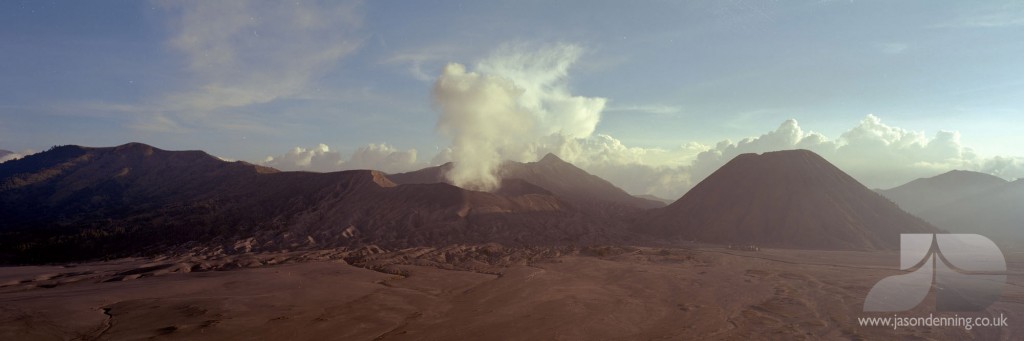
<point>250,80</point>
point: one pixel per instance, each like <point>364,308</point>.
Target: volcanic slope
<point>927,193</point>
<point>562,178</point>
<point>793,199</point>
<point>73,202</point>
<point>966,202</point>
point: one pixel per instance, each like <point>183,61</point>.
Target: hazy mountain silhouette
<point>792,198</point>
<point>572,183</point>
<point>965,201</point>
<point>563,179</point>
<point>76,202</point>
<point>927,193</point>
<point>655,198</point>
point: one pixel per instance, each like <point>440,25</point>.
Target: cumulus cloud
<point>788,135</point>
<point>661,172</point>
<point>517,95</point>
<point>877,154</point>
<point>380,157</point>
<point>384,158</point>
<point>316,159</point>
<point>657,171</point>
<point>9,155</point>
<point>1006,167</point>
<point>516,105</point>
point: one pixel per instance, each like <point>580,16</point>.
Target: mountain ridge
<point>922,194</point>
<point>75,202</point>
<point>966,202</point>
<point>551,173</point>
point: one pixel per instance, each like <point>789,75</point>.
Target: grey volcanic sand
<point>649,294</point>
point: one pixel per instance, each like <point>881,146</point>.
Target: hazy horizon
<point>652,98</point>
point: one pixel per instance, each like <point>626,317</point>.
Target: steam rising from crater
<point>512,99</point>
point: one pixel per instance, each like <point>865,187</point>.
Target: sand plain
<point>607,294</point>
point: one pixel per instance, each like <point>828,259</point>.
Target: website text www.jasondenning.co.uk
<point>967,322</point>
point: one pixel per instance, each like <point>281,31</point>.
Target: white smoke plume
<point>513,98</point>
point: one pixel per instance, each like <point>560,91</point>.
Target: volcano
<point>966,202</point>
<point>925,194</point>
<point>792,199</point>
<point>562,178</point>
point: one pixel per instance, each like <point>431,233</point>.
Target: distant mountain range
<point>664,201</point>
<point>75,203</point>
<point>967,202</point>
<point>791,198</point>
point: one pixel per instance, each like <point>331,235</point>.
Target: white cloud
<point>7,156</point>
<point>320,158</point>
<point>317,159</point>
<point>384,158</point>
<point>661,172</point>
<point>442,157</point>
<point>657,109</point>
<point>1006,167</point>
<point>877,154</point>
<point>242,53</point>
